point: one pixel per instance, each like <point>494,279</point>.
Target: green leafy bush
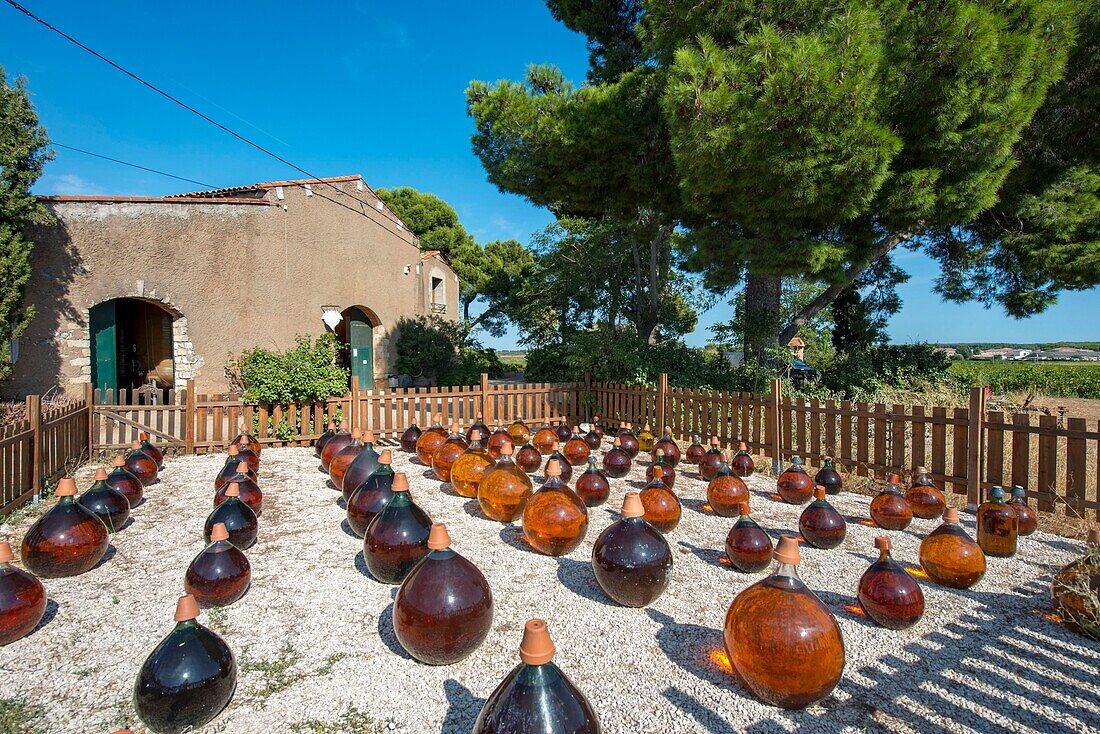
<point>429,346</point>
<point>1077,380</point>
<point>307,371</point>
<point>864,373</point>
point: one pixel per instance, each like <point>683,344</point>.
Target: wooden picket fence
<point>967,449</point>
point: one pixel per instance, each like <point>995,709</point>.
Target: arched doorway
<point>131,344</point>
<point>356,332</point>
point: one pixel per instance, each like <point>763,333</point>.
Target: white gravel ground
<point>313,636</point>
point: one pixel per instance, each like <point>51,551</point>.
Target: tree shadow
<point>577,576</point>
<point>462,708</point>
<point>706,717</point>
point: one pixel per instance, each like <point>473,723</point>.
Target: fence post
<point>975,450</point>
<point>189,418</point>
<point>485,402</point>
<point>774,424</point>
<point>662,396</point>
<point>89,403</point>
<point>353,405</point>
<point>34,415</point>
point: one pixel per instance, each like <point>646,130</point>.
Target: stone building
<point>131,291</point>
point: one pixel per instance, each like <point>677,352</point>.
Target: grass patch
<point>19,717</point>
<point>330,662</point>
<point>352,721</point>
<point>276,674</point>
<point>215,619</point>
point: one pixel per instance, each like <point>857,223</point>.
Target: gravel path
<point>317,653</point>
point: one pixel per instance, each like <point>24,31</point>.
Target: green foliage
<point>307,371</point>
<point>1075,380</point>
<point>23,155</point>
<point>432,220</point>
<point>858,375</point>
<point>19,717</point>
<point>428,346</point>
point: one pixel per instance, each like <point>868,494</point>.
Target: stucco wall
<point>239,275</point>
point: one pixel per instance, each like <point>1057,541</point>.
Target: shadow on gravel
<point>577,577</point>
<point>709,556</point>
<point>462,708</point>
<point>47,616</point>
<point>696,649</point>
<point>346,527</point>
<point>361,566</point>
<point>106,556</point>
<point>513,536</point>
<point>388,635</point>
<point>697,506</point>
<point>473,509</point>
<point>706,717</point>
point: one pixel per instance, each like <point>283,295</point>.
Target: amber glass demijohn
<point>742,463</point>
<point>469,468</point>
<point>520,432</point>
<point>887,593</point>
<point>152,449</point>
<point>335,444</point>
<point>528,458</point>
<point>22,599</point>
<point>188,678</point>
<point>545,440</point>
<point>231,468</point>
<point>593,438</point>
<point>68,540</point>
<point>576,451</point>
<point>247,455</point>
<point>447,453</point>
<point>409,438</point>
<point>498,438</point>
<point>430,440</point>
<point>1026,519</point>
<point>668,474</point>
<point>997,526</point>
<point>109,504</point>
<point>949,556</point>
<point>248,491</point>
<point>592,485</point>
<point>536,697</point>
<point>371,496</point>
<point>628,440</point>
<point>667,449</point>
<point>219,575</point>
<point>141,464</point>
<point>889,509</point>
<point>616,462</point>
<point>829,478</point>
<point>726,491</point>
<point>1076,588</point>
<point>820,524</point>
<point>340,463</point>
<point>631,559</point>
<point>121,479</point>
<point>748,547</point>
<point>662,506</point>
<point>504,489</point>
<point>555,519</point>
<point>238,518</point>
<point>694,453</point>
<point>711,461</point>
<point>361,467</point>
<point>246,438</point>
<point>926,501</point>
<point>319,444</point>
<point>563,431</point>
<point>566,470</point>
<point>397,537</point>
<point>794,485</point>
<point>477,431</point>
<point>596,425</point>
<point>781,619</point>
<point>444,608</point>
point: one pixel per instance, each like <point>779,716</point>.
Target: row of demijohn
<point>443,610</point>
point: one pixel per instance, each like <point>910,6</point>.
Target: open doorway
<point>131,345</point>
<point>356,331</point>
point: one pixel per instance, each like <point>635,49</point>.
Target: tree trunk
<point>761,328</point>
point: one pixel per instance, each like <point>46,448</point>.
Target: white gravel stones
<point>313,635</point>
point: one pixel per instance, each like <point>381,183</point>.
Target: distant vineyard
<point>1057,379</point>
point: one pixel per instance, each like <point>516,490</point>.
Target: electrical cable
<point>132,165</point>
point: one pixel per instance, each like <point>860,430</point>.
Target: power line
<point>132,165</point>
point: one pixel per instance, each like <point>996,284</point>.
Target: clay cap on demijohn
<point>536,648</point>
<point>400,482</point>
<point>553,468</point>
<point>713,440</point>
<point>100,474</point>
<point>506,449</point>
<point>742,446</point>
<point>883,543</point>
<point>6,555</point>
<point>386,457</point>
<point>439,538</point>
<point>786,550</point>
<point>356,433</point>
<point>950,515</point>
<point>135,444</point>
<point>617,442</point>
<point>455,428</point>
<point>893,478</point>
<point>242,467</point>
<point>233,450</point>
<point>344,425</point>
<point>368,436</point>
<point>186,608</point>
<point>119,461</point>
<point>658,472</point>
<point>819,492</point>
<point>66,487</point>
<point>632,505</point>
<point>218,532</point>
<point>744,508</point>
<point>233,490</point>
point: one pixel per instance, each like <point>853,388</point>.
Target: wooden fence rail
<point>967,449</point>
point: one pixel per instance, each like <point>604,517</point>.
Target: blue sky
<point>367,87</point>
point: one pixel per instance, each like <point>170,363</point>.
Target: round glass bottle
<point>593,439</point>
<point>563,431</point>
<point>469,468</point>
<point>794,485</point>
<point>361,467</point>
<point>949,556</point>
<point>68,540</point>
<point>121,479</point>
<point>555,519</point>
<point>631,559</point>
<point>499,437</point>
<point>247,455</point>
<point>230,468</point>
<point>889,509</point>
<point>152,449</point>
<point>820,524</point>
<point>246,438</point>
<point>668,474</point>
<point>447,453</point>
<point>997,526</point>
<point>340,463</point>
<point>748,547</point>
<point>742,463</point>
<point>22,599</point>
<point>694,453</point>
<point>519,431</point>
<point>430,440</point>
<point>397,537</point>
<point>779,618</point>
<point>592,485</point>
<point>248,491</point>
<point>616,462</point>
<point>887,593</point>
<point>319,444</point>
<point>220,574</point>
<point>504,489</point>
<point>711,461</point>
<point>563,465</point>
<point>371,496</point>
<point>926,501</point>
<point>628,441</point>
<point>238,518</point>
<point>1026,519</point>
<point>829,478</point>
<point>545,440</point>
<point>528,458</point>
<point>444,608</point>
<point>662,506</point>
<point>108,504</point>
<point>667,448</point>
<point>141,464</point>
<point>726,491</point>
<point>335,445</point>
<point>576,451</point>
<point>409,437</point>
<point>477,431</point>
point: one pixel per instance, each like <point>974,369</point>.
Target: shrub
<point>307,371</point>
<point>442,350</point>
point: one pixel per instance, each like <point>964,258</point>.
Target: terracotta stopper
<point>479,415</point>
<point>119,461</point>
<point>6,556</point>
<point>66,487</point>
<point>233,490</point>
<point>331,424</point>
<point>135,445</point>
<point>506,449</point>
<point>439,538</point>
<point>100,474</point>
<point>922,470</point>
<point>743,508</point>
<point>658,472</point>
<point>356,433</point>
<point>386,457</point>
<point>244,428</point>
<point>713,440</point>
<point>143,436</point>
<point>536,648</point>
<point>883,543</point>
<point>893,478</point>
<point>455,428</point>
<point>400,482</point>
<point>244,442</point>
<point>242,467</point>
<point>950,515</point>
<point>233,450</point>
<point>632,505</point>
<point>618,442</point>
<point>668,430</point>
<point>786,550</point>
<point>186,608</point>
<point>819,492</point>
<point>576,429</point>
<point>742,446</point>
<point>553,468</point>
<point>368,436</point>
<point>1094,536</point>
<point>645,427</point>
<point>439,419</point>
<point>218,532</point>
<point>344,425</point>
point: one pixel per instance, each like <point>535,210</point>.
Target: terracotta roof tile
<point>154,199</point>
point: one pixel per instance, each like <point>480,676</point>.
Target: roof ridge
<point>214,193</point>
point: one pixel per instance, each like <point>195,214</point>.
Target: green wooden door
<point>103,330</point>
<point>361,345</point>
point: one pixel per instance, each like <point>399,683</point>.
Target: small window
<point>439,300</point>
